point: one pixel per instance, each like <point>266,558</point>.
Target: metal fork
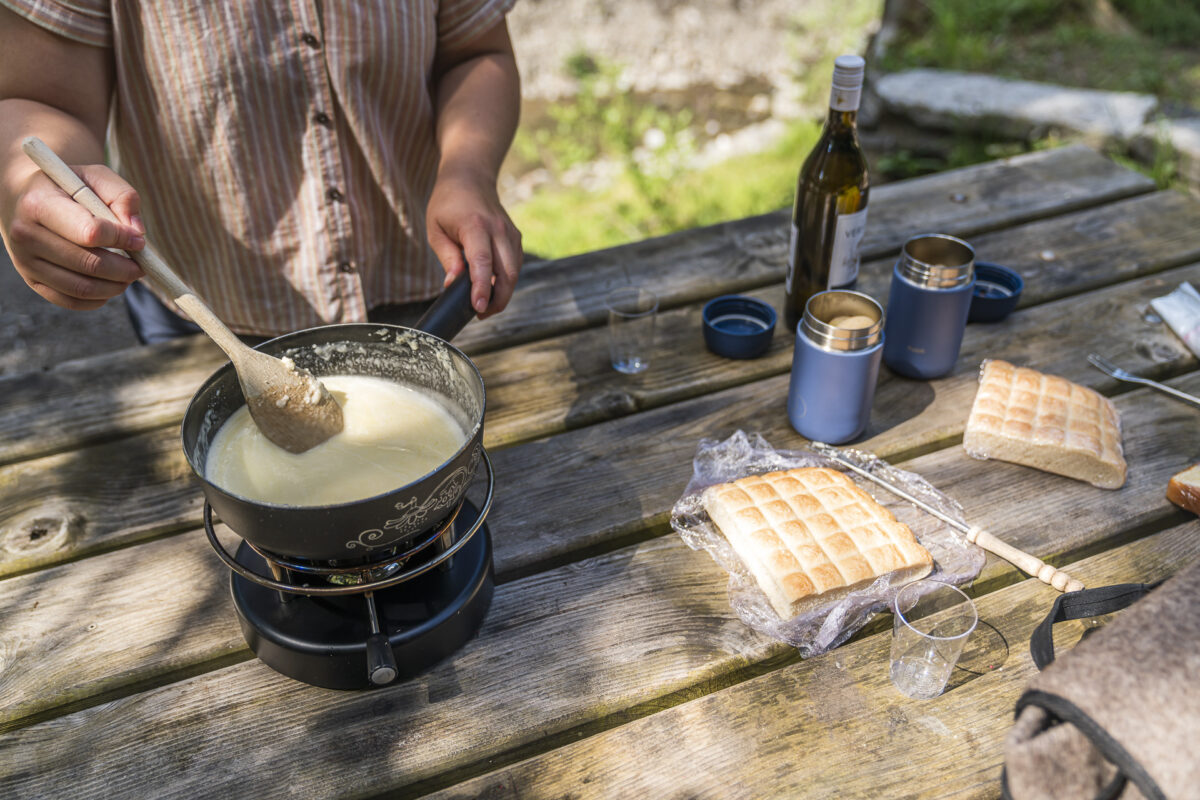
<point>1112,370</point>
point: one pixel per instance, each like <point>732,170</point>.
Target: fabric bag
<point>1119,715</point>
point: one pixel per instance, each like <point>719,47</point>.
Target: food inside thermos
<point>852,322</point>
<point>393,435</point>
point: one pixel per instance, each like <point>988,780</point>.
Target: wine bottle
<point>830,212</point>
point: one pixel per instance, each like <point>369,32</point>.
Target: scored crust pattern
<point>810,534</point>
<point>1044,421</point>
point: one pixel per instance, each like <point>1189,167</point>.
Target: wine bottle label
<point>843,262</point>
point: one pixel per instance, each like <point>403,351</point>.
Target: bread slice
<point>810,536</point>
<point>1184,489</point>
<point>1025,417</point>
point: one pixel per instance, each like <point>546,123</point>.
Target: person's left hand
<point>464,217</point>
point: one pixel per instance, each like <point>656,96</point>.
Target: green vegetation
<point>1115,45</point>
<point>647,183</point>
<point>638,204</point>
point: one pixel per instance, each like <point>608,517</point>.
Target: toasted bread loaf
<point>1184,489</point>
<point>810,535</point>
<point>1049,423</point>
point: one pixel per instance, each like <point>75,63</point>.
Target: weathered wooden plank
<point>222,724</point>
<point>608,481</point>
<point>145,388</point>
<point>624,474</point>
<point>90,636</point>
<point>834,725</point>
<point>566,382</point>
<point>96,627</point>
<point>751,253</point>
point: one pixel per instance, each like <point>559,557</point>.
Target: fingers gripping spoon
<point>290,406</point>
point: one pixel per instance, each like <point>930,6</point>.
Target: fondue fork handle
<point>1026,562</point>
<point>1023,561</point>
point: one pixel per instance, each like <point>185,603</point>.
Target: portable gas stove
<point>358,624</point>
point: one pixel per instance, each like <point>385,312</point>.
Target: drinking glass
<point>631,313</point>
<point>932,622</point>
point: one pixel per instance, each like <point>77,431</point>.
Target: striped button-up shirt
<point>284,150</point>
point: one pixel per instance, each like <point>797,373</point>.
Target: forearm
<point>478,106</point>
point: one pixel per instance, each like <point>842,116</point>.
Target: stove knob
<point>381,662</point>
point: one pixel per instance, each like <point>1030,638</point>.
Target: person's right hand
<point>58,246</point>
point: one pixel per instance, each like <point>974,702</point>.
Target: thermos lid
<point>996,293</point>
<point>842,320</point>
<point>937,261</point>
<point>736,326</point>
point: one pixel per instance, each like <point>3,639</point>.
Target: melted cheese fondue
<point>393,435</point>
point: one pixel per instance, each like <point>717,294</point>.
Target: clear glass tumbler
<point>631,313</point>
<point>931,625</point>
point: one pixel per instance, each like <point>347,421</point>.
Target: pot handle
<point>451,312</point>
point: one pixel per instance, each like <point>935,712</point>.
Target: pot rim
<point>474,435</point>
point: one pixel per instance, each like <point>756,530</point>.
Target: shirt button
<point>346,266</point>
<point>335,196</point>
<point>311,40</point>
<point>321,118</point>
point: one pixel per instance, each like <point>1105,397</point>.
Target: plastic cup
<point>631,314</point>
<point>931,625</point>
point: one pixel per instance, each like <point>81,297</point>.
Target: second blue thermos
<point>928,304</point>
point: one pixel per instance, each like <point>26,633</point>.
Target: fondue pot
<point>358,530</point>
<point>362,593</point>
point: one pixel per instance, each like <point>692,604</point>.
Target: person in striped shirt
<point>298,162</point>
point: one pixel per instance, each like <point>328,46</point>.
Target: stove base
<point>322,641</point>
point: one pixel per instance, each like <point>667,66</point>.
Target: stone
<point>1181,135</point>
<point>966,102</point>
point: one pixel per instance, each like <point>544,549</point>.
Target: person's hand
<point>58,246</point>
<point>464,217</point>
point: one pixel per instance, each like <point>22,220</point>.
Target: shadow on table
<point>987,650</point>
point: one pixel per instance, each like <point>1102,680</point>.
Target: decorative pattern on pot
<point>414,518</point>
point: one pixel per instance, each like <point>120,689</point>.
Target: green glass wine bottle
<point>830,212</point>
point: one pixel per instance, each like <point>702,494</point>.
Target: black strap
<point>1081,605</point>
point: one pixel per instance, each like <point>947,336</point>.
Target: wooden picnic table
<point>610,663</point>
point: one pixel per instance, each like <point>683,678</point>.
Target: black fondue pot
<point>360,530</point>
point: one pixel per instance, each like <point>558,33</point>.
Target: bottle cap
<point>848,71</point>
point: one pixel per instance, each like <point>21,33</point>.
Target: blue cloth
<point>152,321</point>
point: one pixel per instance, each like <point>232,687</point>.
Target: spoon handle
<point>148,258</point>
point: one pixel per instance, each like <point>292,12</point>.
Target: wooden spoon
<point>291,407</point>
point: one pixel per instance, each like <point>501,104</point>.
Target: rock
<point>1010,108</point>
<point>1181,135</point>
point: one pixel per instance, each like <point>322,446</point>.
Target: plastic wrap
<point>955,559</point>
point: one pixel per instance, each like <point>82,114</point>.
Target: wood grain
<point>751,253</point>
<point>90,636</point>
<point>145,388</point>
<point>565,382</point>
<point>123,673</point>
<point>613,480</point>
<point>834,725</point>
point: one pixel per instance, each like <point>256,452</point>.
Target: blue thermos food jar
<point>928,305</point>
<point>839,341</point>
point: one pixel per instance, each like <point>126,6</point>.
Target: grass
<point>1141,46</point>
<point>570,220</point>
<point>1115,45</point>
